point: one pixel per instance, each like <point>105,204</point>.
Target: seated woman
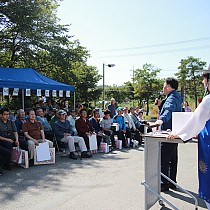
<point>95,122</point>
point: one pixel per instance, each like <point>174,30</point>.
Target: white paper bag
<point>51,161</point>
<point>43,152</point>
<point>118,144</point>
<point>93,142</point>
<point>104,147</point>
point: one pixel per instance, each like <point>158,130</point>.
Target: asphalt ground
<point>104,182</point>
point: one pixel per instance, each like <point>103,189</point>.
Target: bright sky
<point>132,33</point>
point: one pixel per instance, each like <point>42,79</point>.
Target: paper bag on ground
<point>43,152</point>
<point>104,147</point>
<point>93,142</point>
<point>51,161</point>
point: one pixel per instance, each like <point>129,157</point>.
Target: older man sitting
<point>34,133</point>
<point>63,132</point>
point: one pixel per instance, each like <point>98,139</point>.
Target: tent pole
<point>74,100</point>
<point>23,99</point>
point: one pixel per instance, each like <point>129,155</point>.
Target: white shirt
<point>197,121</point>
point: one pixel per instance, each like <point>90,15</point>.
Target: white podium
<point>152,166</point>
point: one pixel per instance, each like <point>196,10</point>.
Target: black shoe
<point>31,162</point>
<point>172,186</point>
<point>1,173</point>
<point>164,187</point>
<point>72,156</point>
<point>85,155</point>
<point>7,167</point>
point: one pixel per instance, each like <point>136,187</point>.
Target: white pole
<point>23,97</point>
<point>74,100</point>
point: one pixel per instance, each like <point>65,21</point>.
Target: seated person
<point>8,134</point>
<point>5,156</point>
<point>47,128</point>
<point>118,118</point>
<point>94,121</point>
<point>34,133</point>
<point>135,118</point>
<point>21,118</point>
<point>72,120</point>
<point>63,133</point>
<point>84,128</point>
<point>106,125</point>
<point>130,126</point>
<point>54,118</point>
<point>140,116</point>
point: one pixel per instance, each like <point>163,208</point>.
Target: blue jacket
<point>120,120</point>
<point>60,128</point>
<point>173,103</point>
<point>112,110</point>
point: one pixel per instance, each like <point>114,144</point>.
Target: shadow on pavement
<point>178,194</point>
<point>38,178</point>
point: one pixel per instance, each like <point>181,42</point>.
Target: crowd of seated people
<point>42,124</point>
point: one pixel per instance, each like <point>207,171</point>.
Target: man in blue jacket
<point>169,153</point>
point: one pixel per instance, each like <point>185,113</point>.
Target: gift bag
<point>129,141</point>
<point>51,161</point>
<point>115,127</point>
<point>43,152</point>
<point>16,155</point>
<point>93,143</point>
<point>118,144</point>
<point>24,159</point>
<point>104,147</point>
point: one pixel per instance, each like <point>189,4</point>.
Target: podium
<point>152,166</point>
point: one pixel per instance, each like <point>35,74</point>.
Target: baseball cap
<point>61,111</point>
<point>119,108</point>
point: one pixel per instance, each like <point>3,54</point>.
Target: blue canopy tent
<point>28,78</point>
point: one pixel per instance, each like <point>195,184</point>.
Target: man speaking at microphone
<point>169,153</point>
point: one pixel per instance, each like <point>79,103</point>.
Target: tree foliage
<point>189,77</point>
<point>31,36</point>
<point>146,84</point>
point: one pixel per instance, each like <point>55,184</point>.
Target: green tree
<point>189,77</point>
<point>146,84</point>
<point>31,36</point>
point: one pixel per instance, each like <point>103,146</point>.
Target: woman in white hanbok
<point>199,124</point>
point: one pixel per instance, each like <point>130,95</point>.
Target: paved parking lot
<point>106,181</point>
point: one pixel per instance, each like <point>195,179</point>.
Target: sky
<point>132,33</point>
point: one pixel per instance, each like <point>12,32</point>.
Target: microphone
<point>159,97</point>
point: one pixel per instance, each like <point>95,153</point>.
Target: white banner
<point>38,92</point>
<point>47,93</point>
<point>60,93</point>
<point>15,92</point>
<point>68,94</point>
<point>5,91</point>
<point>54,93</point>
<point>28,92</point>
